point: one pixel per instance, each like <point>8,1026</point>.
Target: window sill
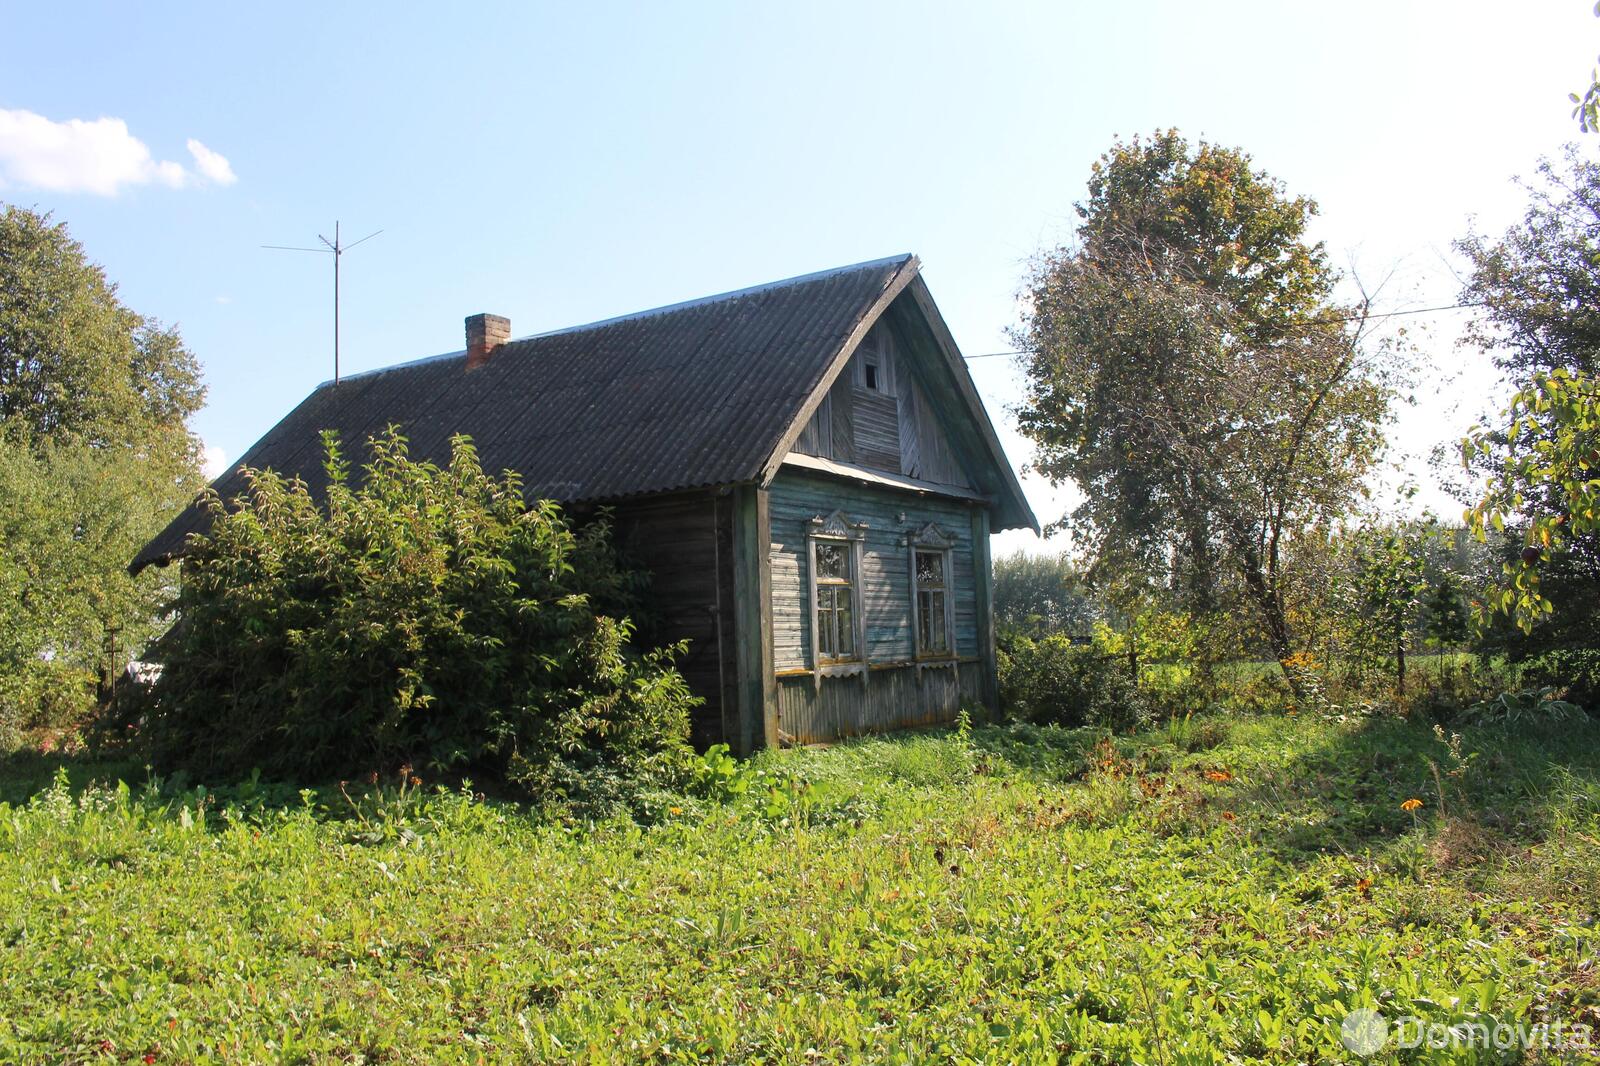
<point>795,672</point>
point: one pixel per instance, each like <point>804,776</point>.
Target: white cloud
<point>99,157</point>
<point>213,166</point>
<point>215,462</point>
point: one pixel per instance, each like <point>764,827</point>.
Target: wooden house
<point>804,467</point>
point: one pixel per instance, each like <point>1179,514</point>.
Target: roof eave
<point>1015,511</point>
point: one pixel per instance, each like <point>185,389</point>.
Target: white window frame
<point>933,540</point>
<point>838,528</point>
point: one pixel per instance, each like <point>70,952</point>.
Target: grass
<point>1213,890</point>
<point>1421,667</point>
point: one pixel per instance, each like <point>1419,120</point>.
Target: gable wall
<point>893,428</point>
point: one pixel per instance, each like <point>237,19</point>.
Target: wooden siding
<point>877,430</point>
<point>686,544</point>
<point>896,698</point>
<point>757,691</point>
<point>885,580</point>
<point>842,706</point>
<point>841,408</point>
<point>893,428</point>
<point>925,448</point>
<point>983,574</point>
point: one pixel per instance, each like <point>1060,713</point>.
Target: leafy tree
<point>1191,372</point>
<point>1535,463</point>
<point>1545,472</point>
<point>1387,581</point>
<point>1586,108</point>
<point>1540,286</point>
<point>95,457</point>
<point>1539,282</point>
<point>426,615</point>
<point>1447,623</point>
<point>75,363</point>
<point>1038,594</point>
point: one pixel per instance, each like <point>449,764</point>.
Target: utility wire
<point>1312,321</point>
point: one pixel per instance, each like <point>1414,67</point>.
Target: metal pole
<point>336,302</point>
<point>336,248</point>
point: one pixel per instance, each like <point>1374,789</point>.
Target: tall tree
<point>75,362</point>
<point>1190,370</point>
<point>95,456</point>
<point>1040,594</point>
<point>1539,285</point>
<point>1539,282</point>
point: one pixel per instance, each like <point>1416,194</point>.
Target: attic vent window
<point>874,362</point>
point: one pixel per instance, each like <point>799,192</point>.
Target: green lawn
<point>1213,891</point>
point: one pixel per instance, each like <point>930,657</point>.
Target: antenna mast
<point>337,250</point>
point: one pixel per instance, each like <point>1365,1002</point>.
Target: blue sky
<point>563,163</point>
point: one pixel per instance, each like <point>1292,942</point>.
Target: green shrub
<point>1529,707</point>
<point>427,617</point>
<point>1572,669</point>
<point>1456,683</point>
<point>1049,681</point>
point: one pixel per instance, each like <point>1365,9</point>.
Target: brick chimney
<point>485,333</point>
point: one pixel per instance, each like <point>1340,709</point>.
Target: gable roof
<point>700,394</point>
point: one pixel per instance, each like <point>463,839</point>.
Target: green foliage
<point>1540,286</point>
<point>1038,594</point>
<point>95,458</point>
<point>75,364</point>
<point>1385,582</point>
<point>1213,891</point>
<point>1447,621</point>
<point>1529,707</point>
<point>1545,472</point>
<point>1539,281</point>
<point>1191,374</point>
<point>1586,108</point>
<point>1050,681</point>
<point>426,616</point>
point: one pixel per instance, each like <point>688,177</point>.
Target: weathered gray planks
<point>684,542</point>
<point>894,427</point>
<point>844,705</point>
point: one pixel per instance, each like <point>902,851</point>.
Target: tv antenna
<point>336,249</point>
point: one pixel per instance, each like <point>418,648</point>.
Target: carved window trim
<point>840,529</point>
<point>933,540</point>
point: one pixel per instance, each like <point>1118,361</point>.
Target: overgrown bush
<point>1050,681</point>
<point>1576,670</point>
<point>428,616</point>
<point>1531,707</point>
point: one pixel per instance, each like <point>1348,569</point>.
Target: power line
<point>1312,321</point>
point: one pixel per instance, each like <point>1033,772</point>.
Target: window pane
<point>936,617</point>
<point>835,604</point>
<point>930,568</point>
<point>924,619</point>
